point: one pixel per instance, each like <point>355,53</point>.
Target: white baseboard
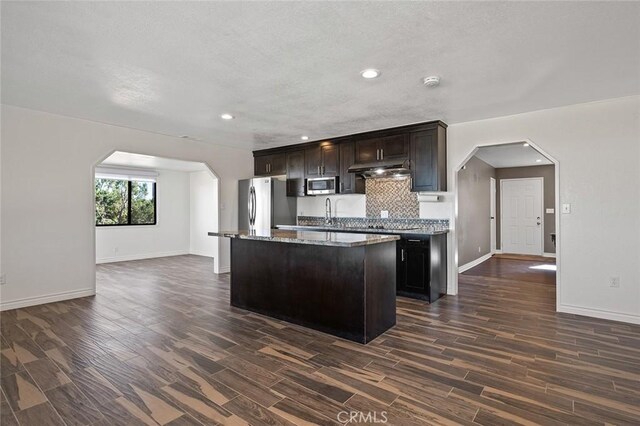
<point>473,263</point>
<point>224,269</point>
<point>598,313</point>
<point>141,256</point>
<point>201,253</point>
<point>39,300</point>
<point>545,254</point>
<point>497,252</point>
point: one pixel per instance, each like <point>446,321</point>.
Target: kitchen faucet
<point>328,220</point>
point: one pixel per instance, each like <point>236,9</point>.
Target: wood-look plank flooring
<point>160,344</point>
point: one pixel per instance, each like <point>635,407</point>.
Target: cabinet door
<point>330,154</point>
<point>367,151</point>
<point>417,261</point>
<point>428,151</point>
<point>295,173</point>
<point>278,164</point>
<point>270,165</point>
<point>401,266</point>
<point>313,161</point>
<point>424,161</point>
<point>261,165</point>
<point>394,147</point>
<point>349,182</point>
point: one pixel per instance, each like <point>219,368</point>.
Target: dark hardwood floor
<point>160,344</point>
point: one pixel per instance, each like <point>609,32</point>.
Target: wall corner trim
<point>473,263</point>
<point>598,313</point>
<point>49,298</point>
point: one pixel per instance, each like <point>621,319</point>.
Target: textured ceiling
<point>287,69</point>
<point>511,155</point>
<point>140,161</point>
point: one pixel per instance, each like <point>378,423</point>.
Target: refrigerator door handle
<point>255,206</point>
<point>251,206</point>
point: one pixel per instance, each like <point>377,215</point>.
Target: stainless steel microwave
<point>322,185</point>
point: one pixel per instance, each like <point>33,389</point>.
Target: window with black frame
<point>123,200</point>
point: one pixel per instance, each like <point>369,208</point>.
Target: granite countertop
<point>347,229</point>
<point>318,238</point>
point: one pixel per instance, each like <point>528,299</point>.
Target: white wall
<point>352,205</point>
<point>48,235</point>
<point>203,190</point>
<point>169,237</point>
<point>48,240</point>
<point>598,149</point>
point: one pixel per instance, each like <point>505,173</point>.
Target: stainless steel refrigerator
<point>263,203</point>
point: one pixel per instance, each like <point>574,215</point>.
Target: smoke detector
<point>432,81</point>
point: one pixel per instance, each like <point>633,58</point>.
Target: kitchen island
<point>343,284</point>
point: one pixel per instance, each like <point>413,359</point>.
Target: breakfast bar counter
<point>340,283</point>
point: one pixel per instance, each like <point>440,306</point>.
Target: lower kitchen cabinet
<point>422,267</point>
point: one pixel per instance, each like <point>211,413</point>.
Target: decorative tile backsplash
<point>393,195</point>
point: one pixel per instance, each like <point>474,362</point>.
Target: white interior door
<point>521,215</point>
<point>492,213</point>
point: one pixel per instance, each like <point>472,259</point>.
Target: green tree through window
<point>125,202</point>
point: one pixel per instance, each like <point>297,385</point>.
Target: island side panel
<point>438,284</point>
<point>380,279</point>
<point>319,287</point>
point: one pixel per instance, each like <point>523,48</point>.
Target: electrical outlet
<point>479,249</point>
<point>116,250</point>
<point>3,279</point>
<point>566,208</point>
<point>614,282</point>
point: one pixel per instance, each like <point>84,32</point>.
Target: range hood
<point>381,169</point>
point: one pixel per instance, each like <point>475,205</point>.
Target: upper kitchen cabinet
<point>270,165</point>
<point>428,150</point>
<point>322,160</point>
<point>394,147</point>
<point>423,144</point>
<point>295,173</point>
<point>350,183</point>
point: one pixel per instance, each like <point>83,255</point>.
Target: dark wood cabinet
<point>349,182</point>
<point>330,156</point>
<point>394,147</point>
<point>367,151</point>
<point>423,144</point>
<point>322,160</point>
<point>384,148</point>
<point>270,165</point>
<point>295,173</point>
<point>413,268</point>
<point>428,160</point>
<point>421,267</point>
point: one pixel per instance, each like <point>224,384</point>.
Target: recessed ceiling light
<point>304,138</point>
<point>227,116</point>
<point>431,81</point>
<point>538,161</point>
<point>370,73</point>
<point>525,144</point>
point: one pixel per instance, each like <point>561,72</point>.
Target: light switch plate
<point>566,208</point>
<point>384,214</point>
<point>551,211</point>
